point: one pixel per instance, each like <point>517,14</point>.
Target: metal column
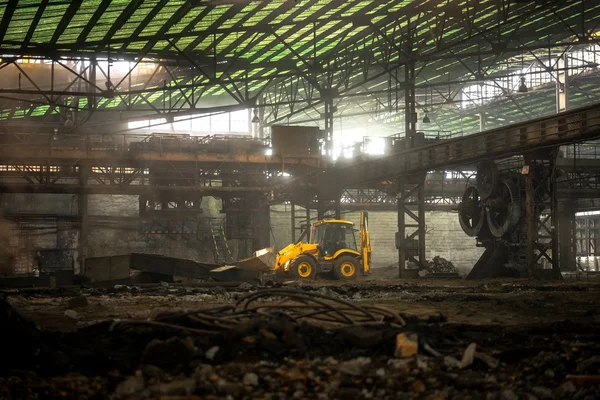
<point>410,115</point>
<point>84,222</point>
<point>541,213</point>
<point>328,95</point>
<point>262,224</point>
<point>410,238</point>
<point>300,223</point>
<point>566,237</point>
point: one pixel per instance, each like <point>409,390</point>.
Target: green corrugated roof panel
<point>19,24</point>
<point>105,22</point>
<point>39,111</point>
<point>51,17</point>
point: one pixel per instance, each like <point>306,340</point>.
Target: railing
<point>555,130</point>
<point>582,150</point>
<point>161,142</point>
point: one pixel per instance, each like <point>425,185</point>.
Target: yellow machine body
<point>331,246</point>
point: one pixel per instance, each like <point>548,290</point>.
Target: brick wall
<point>444,236</point>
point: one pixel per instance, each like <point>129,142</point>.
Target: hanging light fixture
<point>523,87</point>
<point>255,119</point>
<point>426,119</point>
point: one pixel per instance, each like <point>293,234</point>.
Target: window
<point>201,124</point>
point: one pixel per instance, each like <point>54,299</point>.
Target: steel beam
<point>410,238</point>
<point>571,126</point>
<point>33,156</point>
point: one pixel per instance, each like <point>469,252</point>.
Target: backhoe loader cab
<point>333,235</point>
<point>331,249</point>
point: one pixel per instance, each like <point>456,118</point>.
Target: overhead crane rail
<point>558,129</point>
<point>128,149</point>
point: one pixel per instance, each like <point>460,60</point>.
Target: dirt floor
<point>497,339</point>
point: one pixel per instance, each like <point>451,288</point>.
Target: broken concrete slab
<point>170,266</point>
<point>109,268</point>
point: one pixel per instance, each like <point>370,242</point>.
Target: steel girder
<point>352,52</point>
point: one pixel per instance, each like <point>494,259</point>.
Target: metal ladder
<point>300,221</point>
<point>221,250</point>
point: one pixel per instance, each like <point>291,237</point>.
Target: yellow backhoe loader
<point>331,249</point>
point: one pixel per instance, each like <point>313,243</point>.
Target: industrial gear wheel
<point>470,211</point>
<point>487,178</point>
<point>504,209</point>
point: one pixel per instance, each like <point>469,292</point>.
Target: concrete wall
<point>107,242</point>
<point>444,236</point>
<point>110,242</point>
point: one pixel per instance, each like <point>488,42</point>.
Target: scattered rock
<point>406,344</point>
<point>268,335</point>
<point>164,284</point>
<point>566,388</point>
<point>184,387</point>
<point>354,367</point>
<point>250,379</point>
<point>71,314</point>
<point>491,362</point>
<point>152,371</point>
<point>170,352</point>
<point>508,394</point>
<point>399,364</point>
<point>542,392</point>
<point>77,302</point>
<point>422,363</point>
<point>325,291</point>
<point>245,286</point>
<point>130,386</point>
<point>451,362</point>
<point>591,364</point>
<point>418,386</point>
<point>230,388</point>
<point>211,353</point>
<point>361,336</point>
<point>468,356</point>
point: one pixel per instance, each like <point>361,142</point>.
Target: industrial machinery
<point>330,249</point>
<point>493,211</point>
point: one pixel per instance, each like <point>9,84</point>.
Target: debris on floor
<point>303,341</point>
<point>439,265</point>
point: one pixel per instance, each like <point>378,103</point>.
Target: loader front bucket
<point>261,261</point>
<point>248,269</point>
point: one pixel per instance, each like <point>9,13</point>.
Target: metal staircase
<point>300,221</point>
<point>221,250</point>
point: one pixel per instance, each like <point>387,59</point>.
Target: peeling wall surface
<point>444,236</point>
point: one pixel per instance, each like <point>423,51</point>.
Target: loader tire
<point>303,267</point>
<point>345,268</point>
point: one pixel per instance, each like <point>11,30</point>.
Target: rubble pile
<point>279,343</point>
<point>439,265</point>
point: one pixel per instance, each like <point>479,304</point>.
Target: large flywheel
<point>470,211</point>
<point>487,178</point>
<point>504,209</point>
